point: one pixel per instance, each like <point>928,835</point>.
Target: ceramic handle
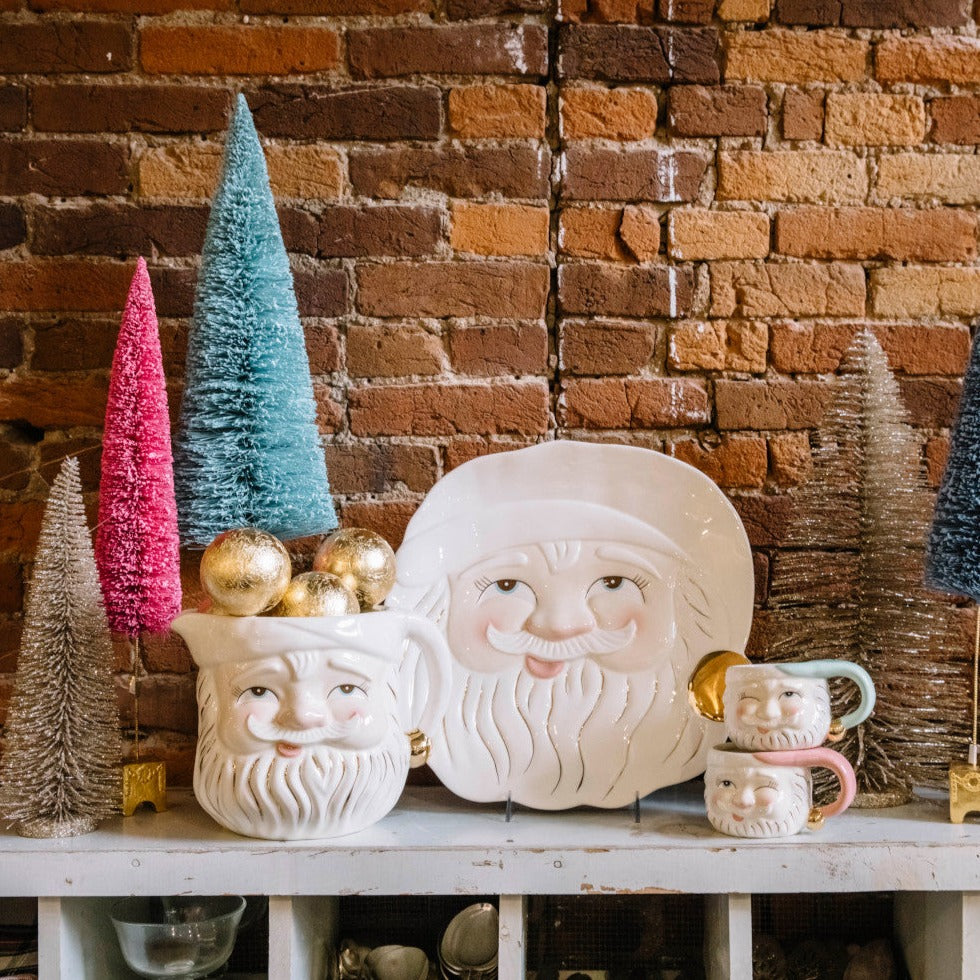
<point>829,759</point>
<point>840,668</point>
<point>432,643</point>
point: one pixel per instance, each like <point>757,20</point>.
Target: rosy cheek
<point>793,709</point>
<point>767,797</point>
<point>744,712</point>
<point>352,712</point>
<point>719,800</point>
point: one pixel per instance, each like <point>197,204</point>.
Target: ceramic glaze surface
<point>787,706</point>
<point>577,585</point>
<point>301,731</point>
<point>769,794</point>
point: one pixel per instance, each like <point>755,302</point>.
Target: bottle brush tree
<point>60,774</point>
<point>248,451</point>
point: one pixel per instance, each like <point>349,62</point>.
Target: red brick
<point>639,231</point>
<point>462,450</point>
<point>934,235</point>
<point>807,348</point>
<point>49,401</point>
<point>517,170</point>
<point>381,467</point>
<point>789,458</point>
<point>615,403</point>
<point>872,13</point>
<point>63,168</point>
<point>600,173</point>
<point>728,110</point>
<point>604,113</point>
<point>519,407</point>
<point>350,232</point>
<point>11,342</point>
<point>930,402</point>
<point>322,346</point>
<point>13,227</point>
<point>20,524</point>
<point>770,404</point>
<point>13,108</point>
<point>731,461</point>
<point>320,291</point>
<point>925,348</point>
<point>166,701</point>
<point>393,351</point>
<point>53,451</point>
<point>752,290</point>
<point>490,49</point>
<point>65,46</point>
<point>118,230</point>
<point>330,408</point>
<point>389,518</point>
<point>16,459</point>
<point>794,57</point>
<point>765,517</point>
<point>129,108</point>
<point>719,345</point>
<point>633,292</point>
<point>501,289</point>
<point>624,53</point>
<point>499,229</point>
<point>686,11</point>
<point>592,233</point>
<point>315,112</point>
<point>464,9</point>
<point>514,111</point>
<point>803,115</point>
<point>607,346</point>
<point>937,453</point>
<point>497,350</point>
<point>164,652</point>
<point>337,8</point>
<point>956,119</point>
<point>129,6</point>
<point>68,284</point>
<point>11,586</point>
<point>944,60</point>
<point>607,11</point>
<point>241,50</point>
<point>74,344</point>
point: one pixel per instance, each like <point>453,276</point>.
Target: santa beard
<point>789,821</point>
<point>323,792</point>
<point>745,736</point>
<point>589,736</point>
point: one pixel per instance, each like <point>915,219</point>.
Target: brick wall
<point>656,223</point>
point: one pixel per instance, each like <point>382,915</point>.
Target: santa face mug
<point>302,731</point>
<point>787,705</point>
<point>770,794</point>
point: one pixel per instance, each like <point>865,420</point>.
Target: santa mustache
<point>269,731</point>
<point>596,641</point>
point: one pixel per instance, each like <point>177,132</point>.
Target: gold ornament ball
<point>317,594</point>
<point>245,571</point>
<point>362,560</point>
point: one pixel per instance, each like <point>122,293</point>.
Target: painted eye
<point>258,692</point>
<point>350,691</point>
<point>613,582</point>
<point>727,783</point>
<point>506,585</point>
<point>790,694</point>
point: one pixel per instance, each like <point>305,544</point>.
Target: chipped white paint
<point>667,175</point>
<point>672,289</point>
<point>514,46</point>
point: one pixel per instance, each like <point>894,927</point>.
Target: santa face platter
<point>577,585</point>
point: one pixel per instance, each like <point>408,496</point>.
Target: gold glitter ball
<point>317,594</point>
<point>362,560</point>
<point>245,571</point>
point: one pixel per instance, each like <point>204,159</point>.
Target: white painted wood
<point>76,940</point>
<point>728,937</point>
<point>513,921</point>
<point>940,934</point>
<point>432,842</point>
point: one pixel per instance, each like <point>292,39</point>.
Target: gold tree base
<point>883,799</point>
<point>144,782</point>
<point>964,790</point>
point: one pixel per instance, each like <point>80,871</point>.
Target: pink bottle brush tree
<point>136,547</point>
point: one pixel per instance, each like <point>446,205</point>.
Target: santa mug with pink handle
<point>787,705</point>
<point>770,794</point>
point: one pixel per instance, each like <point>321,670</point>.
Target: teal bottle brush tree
<point>247,450</point>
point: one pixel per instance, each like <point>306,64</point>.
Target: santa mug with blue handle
<point>787,705</point>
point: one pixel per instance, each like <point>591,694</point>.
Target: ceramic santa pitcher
<point>302,726</point>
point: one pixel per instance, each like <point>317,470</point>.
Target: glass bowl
<point>182,936</point>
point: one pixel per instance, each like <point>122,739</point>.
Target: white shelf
<point>436,844</point>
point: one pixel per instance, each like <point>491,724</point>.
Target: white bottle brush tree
<point>60,773</point>
<point>849,583</point>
